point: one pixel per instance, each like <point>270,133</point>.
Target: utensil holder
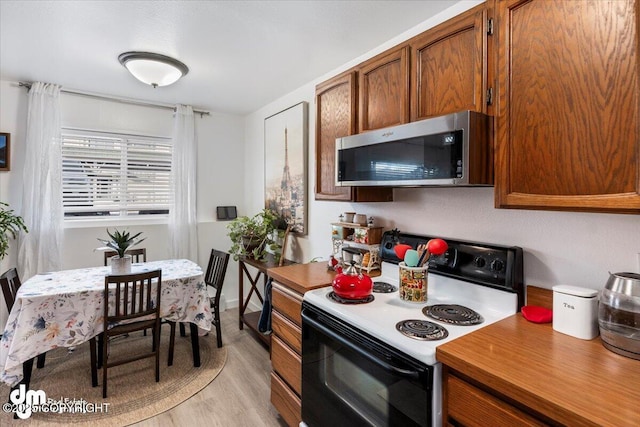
<point>413,283</point>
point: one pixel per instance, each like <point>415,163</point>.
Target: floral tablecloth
<point>65,309</point>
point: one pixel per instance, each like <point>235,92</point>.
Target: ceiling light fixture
<point>152,68</point>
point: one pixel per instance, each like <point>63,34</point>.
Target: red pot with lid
<point>352,284</point>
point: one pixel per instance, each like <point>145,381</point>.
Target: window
<point>106,174</point>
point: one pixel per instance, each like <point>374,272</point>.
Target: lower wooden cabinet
<point>470,406</point>
<point>285,401</point>
<point>286,353</point>
<point>287,363</point>
<point>289,285</point>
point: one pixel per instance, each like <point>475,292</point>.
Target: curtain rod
<point>119,99</point>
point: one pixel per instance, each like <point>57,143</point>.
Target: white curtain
<point>183,235</point>
<point>39,249</point>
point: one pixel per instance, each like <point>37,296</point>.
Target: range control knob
<point>496,265</point>
<point>479,262</point>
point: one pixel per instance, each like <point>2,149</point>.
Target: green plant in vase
<point>121,242</point>
<point>10,225</point>
<point>256,236</point>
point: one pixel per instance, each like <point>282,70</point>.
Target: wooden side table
<point>252,318</point>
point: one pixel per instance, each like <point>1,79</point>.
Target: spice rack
<point>359,243</point>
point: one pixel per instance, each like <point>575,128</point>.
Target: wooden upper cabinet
<point>449,70</point>
<point>384,90</point>
<point>568,114</point>
<point>335,118</point>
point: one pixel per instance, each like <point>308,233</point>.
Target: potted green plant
<point>120,242</point>
<point>10,226</point>
<point>256,236</point>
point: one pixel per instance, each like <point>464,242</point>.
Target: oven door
<point>350,378</point>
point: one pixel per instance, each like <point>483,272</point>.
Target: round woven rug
<point>132,393</point>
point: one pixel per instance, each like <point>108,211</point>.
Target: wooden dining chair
<point>131,303</point>
<point>214,277</point>
<point>10,282</point>
<point>137,255</point>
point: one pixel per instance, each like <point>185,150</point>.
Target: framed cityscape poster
<point>285,153</point>
<point>5,154</point>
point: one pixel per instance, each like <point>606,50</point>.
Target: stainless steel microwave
<point>450,150</point>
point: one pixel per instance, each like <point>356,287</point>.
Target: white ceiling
<point>241,54</point>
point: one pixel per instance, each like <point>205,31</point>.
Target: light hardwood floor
<point>238,396</point>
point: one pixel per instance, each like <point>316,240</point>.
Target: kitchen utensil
<point>619,314</point>
<point>401,249</point>
<point>433,246</point>
<point>352,284</point>
<point>437,246</point>
<point>411,258</point>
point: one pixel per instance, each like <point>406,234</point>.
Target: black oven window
<point>380,397</point>
<point>345,383</point>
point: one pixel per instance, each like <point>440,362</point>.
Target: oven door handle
<point>415,374</point>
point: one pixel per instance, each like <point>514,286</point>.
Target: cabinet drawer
<point>287,364</point>
<point>285,401</point>
<point>288,331</point>
<point>471,406</point>
<point>287,302</point>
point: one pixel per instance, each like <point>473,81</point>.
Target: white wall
<point>220,182</point>
<point>560,247</point>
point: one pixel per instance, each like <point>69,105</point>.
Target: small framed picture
<point>5,157</point>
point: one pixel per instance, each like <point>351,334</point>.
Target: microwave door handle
<point>340,339</point>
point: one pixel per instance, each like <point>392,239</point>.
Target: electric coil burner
<point>453,313</point>
<point>422,330</point>
<point>384,287</point>
<point>336,298</point>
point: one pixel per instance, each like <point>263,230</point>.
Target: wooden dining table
<point>65,309</point>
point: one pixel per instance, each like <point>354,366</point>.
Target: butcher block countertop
<point>572,381</point>
<point>303,277</point>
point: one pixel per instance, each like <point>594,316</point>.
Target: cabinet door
<point>336,117</point>
<point>384,90</point>
<point>286,402</point>
<point>449,70</point>
<point>287,364</point>
<point>567,114</point>
<point>472,407</point>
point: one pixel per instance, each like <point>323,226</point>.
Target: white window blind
<point>105,174</point>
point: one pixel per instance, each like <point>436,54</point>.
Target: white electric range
<point>354,353</point>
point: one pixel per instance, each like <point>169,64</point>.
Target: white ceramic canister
<point>575,311</point>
